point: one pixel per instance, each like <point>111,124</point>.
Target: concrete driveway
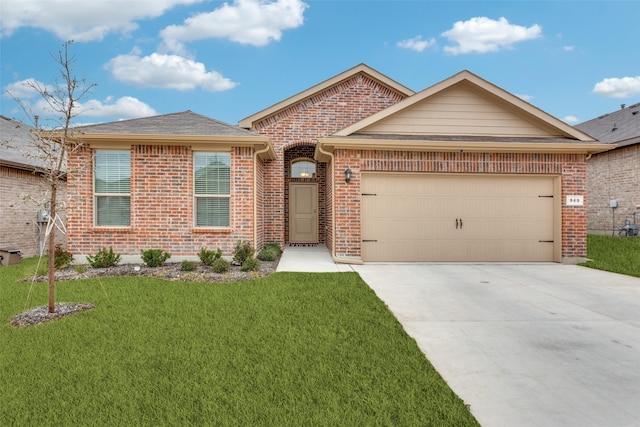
<point>524,345</point>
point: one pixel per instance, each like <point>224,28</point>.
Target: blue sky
<point>227,60</point>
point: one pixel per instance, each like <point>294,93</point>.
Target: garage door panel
<point>432,217</point>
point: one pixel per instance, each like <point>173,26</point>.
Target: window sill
<point>225,230</point>
<point>111,229</point>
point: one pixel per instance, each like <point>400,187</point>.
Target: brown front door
<point>303,213</point>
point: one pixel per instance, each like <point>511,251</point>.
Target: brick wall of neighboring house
<point>21,192</point>
<point>613,175</point>
<point>319,116</point>
<point>161,205</point>
<point>570,167</point>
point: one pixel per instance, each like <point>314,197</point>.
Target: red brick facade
<point>570,167</point>
<point>319,116</point>
<point>162,201</point>
<point>161,204</point>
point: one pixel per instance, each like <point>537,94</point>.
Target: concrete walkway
<point>523,345</point>
<point>309,259</point>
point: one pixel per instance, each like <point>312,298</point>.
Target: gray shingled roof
<point>183,123</point>
<point>17,147</point>
<point>616,127</point>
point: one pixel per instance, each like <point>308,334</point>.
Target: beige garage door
<point>439,217</point>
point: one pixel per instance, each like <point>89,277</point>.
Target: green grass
<point>289,349</point>
<point>616,254</point>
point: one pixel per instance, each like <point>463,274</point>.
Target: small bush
<point>274,246</point>
<point>242,252</point>
<point>43,270</point>
<point>268,254</point>
<point>80,268</point>
<point>63,258</point>
<point>220,265</point>
<point>104,258</point>
<point>155,257</point>
<point>188,265</point>
<point>250,264</point>
<point>208,257</point>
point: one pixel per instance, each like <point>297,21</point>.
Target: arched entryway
<point>304,187</point>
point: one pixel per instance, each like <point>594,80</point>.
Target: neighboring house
<point>23,191</point>
<point>462,171</point>
<point>613,177</point>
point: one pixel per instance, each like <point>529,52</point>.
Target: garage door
<point>465,218</point>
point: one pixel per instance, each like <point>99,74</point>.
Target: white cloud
<point>416,43</point>
<point>166,72</point>
<point>81,20</point>
<point>253,22</point>
<point>571,119</point>
<point>25,89</point>
<point>525,97</point>
<point>618,87</point>
<point>568,48</point>
<point>124,107</point>
<point>484,35</point>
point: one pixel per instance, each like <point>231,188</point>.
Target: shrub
<point>274,246</point>
<point>155,257</point>
<point>270,252</point>
<point>80,268</point>
<point>63,258</point>
<point>43,270</point>
<point>188,265</point>
<point>208,257</point>
<point>220,265</point>
<point>242,252</point>
<point>104,258</point>
<point>250,264</point>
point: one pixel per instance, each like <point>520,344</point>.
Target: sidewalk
<point>309,259</point>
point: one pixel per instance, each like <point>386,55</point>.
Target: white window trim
<point>210,196</point>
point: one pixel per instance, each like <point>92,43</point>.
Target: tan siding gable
<point>461,110</point>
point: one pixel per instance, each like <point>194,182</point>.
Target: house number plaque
<point>575,200</point>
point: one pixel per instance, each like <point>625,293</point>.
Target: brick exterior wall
<point>162,205</point>
<point>570,167</point>
<point>20,190</point>
<point>612,175</point>
<point>321,115</point>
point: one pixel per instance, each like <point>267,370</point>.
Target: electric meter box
<point>10,257</point>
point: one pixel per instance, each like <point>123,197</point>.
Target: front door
<point>303,213</point>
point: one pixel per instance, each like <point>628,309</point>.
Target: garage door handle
<point>545,241</point>
<point>460,223</point>
<point>456,223</point>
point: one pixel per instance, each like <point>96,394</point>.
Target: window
<point>112,182</point>
<point>303,168</point>
<point>212,185</point>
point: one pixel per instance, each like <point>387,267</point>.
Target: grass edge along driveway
<point>289,349</point>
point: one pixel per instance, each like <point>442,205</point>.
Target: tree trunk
<point>52,250</point>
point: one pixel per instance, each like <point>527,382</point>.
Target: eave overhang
<point>462,144</point>
<point>197,142</point>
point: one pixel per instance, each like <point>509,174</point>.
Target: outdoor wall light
<point>347,175</point>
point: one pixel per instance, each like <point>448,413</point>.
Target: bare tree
<point>54,141</point>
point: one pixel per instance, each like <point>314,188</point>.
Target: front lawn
<point>616,254</point>
<point>289,349</point>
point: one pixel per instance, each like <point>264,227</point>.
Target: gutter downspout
<point>333,214</point>
<point>255,194</point>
